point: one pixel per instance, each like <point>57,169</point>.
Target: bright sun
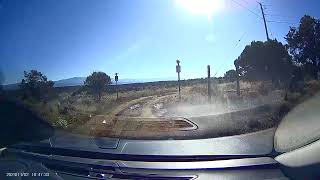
<point>201,7</point>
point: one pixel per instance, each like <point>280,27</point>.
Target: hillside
<point>78,81</point>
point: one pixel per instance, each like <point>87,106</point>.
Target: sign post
<point>178,70</point>
<point>116,78</point>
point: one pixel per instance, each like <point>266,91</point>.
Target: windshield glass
<point>161,69</point>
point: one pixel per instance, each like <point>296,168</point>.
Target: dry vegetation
<point>78,111</point>
<point>70,109</point>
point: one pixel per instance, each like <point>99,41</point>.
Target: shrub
<point>263,90</point>
<point>61,123</point>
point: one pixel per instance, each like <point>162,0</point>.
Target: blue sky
<point>139,39</point>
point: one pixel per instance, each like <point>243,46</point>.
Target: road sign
<point>116,78</point>
<point>178,68</point>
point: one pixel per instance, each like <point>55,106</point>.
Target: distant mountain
<point>79,81</point>
<point>75,81</point>
<point>11,86</point>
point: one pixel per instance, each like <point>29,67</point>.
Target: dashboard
<point>70,156</point>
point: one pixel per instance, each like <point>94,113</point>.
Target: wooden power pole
<point>264,20</point>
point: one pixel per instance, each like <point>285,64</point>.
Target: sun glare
<point>201,7</point>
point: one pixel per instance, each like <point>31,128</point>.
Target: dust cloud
<point>198,107</point>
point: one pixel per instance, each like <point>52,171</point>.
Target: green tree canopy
<point>231,75</point>
<point>304,44</point>
<point>97,83</point>
<point>36,85</point>
<point>265,61</point>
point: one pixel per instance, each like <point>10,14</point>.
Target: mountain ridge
<point>79,81</point>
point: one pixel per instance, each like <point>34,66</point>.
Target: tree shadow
<point>18,123</point>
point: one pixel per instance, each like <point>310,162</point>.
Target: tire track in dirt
<point>147,109</point>
<point>117,111</point>
<point>103,120</point>
<point>116,123</point>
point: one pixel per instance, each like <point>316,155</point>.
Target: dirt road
<point>152,104</point>
<point>141,118</point>
<point>121,118</point>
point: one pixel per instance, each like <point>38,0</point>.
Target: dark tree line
<point>97,83</point>
<point>231,75</point>
<point>35,85</point>
<point>265,61</point>
<point>304,45</point>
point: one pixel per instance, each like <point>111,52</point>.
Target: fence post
<point>238,83</point>
<point>209,84</point>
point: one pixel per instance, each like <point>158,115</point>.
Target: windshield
<point>161,69</point>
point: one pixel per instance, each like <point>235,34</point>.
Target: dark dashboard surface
<point>69,156</point>
<point>253,144</point>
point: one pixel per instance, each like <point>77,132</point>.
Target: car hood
<point>252,144</point>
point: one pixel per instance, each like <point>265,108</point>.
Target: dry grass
<point>70,110</point>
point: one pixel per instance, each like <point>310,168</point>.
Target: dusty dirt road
<point>134,118</point>
<point>146,123</point>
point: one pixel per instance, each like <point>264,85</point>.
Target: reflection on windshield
<point>250,88</point>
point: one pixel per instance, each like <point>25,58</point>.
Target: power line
<point>267,5</point>
<point>281,22</point>
<point>245,1</point>
<point>236,45</point>
<point>254,13</point>
<point>281,16</point>
<point>278,21</point>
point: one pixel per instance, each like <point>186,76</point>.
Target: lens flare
<point>201,7</point>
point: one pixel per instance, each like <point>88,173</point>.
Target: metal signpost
<point>116,79</point>
<point>178,70</point>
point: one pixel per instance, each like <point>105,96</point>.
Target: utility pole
<point>209,84</point>
<point>264,20</point>
<point>116,79</point>
<point>178,70</point>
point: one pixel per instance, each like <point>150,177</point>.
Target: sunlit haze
<point>202,7</point>
<point>140,39</point>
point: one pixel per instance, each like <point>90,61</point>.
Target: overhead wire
<point>280,16</point>
<point>254,13</point>
<point>238,42</point>
<point>235,46</point>
<point>282,22</point>
<point>260,18</point>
